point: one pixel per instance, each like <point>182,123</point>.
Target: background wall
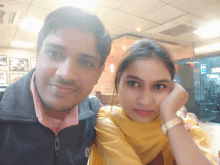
<point>16,53</point>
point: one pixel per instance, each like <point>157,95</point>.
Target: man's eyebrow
<point>55,46</point>
<point>157,81</point>
<point>90,56</point>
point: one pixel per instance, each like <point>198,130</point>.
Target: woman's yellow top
<point>121,141</point>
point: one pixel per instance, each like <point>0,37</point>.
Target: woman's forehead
<point>148,69</point>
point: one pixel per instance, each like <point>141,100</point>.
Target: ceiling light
<point>112,68</point>
<point>208,48</point>
<point>215,70</point>
<point>80,4</point>
<point>31,24</point>
<point>192,62</point>
<point>209,31</point>
<point>124,47</point>
<point>138,29</point>
<point>214,76</point>
<point>22,44</point>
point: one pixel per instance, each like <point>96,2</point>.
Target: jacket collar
<point>17,101</point>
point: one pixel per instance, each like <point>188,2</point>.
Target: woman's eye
<point>133,84</point>
<point>159,86</point>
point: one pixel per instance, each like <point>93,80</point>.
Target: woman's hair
<point>144,49</point>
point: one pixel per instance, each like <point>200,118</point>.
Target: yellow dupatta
<point>146,139</point>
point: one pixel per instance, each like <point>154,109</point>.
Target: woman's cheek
<point>162,96</point>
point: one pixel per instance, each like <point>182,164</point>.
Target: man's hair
<point>79,19</point>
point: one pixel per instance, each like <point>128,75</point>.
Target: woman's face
<point>142,88</point>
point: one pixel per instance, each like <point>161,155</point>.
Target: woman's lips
<point>142,112</point>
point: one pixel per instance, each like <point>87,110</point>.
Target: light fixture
<point>22,44</point>
<point>208,48</point>
<point>124,47</point>
<point>177,67</point>
<point>112,68</point>
<point>31,24</point>
<point>191,65</point>
<point>215,70</point>
<point>211,30</point>
<point>213,76</point>
<point>192,62</point>
<point>80,4</point>
<point>138,29</point>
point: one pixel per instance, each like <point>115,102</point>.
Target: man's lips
<point>143,112</point>
<point>63,90</point>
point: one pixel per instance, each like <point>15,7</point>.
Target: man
<point>47,117</point>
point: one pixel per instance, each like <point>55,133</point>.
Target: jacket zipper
<point>56,149</point>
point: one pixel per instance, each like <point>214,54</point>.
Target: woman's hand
<point>183,111</point>
<point>177,98</point>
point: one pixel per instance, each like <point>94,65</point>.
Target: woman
<point>134,134</point>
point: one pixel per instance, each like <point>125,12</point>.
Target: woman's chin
<point>145,119</point>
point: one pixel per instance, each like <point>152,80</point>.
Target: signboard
<point>203,68</point>
<point>215,70</point>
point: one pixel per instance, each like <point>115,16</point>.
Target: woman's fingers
<point>177,98</point>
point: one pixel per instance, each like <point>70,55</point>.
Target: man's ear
<point>100,72</point>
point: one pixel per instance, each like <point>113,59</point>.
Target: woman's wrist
<point>167,116</point>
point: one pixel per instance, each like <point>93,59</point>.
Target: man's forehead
<point>74,42</point>
<point>69,34</point>
<point>71,39</point>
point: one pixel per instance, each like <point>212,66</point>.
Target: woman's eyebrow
<point>157,81</point>
<point>162,80</point>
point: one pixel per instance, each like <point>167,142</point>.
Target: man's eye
<point>159,86</point>
<point>54,54</point>
<point>87,63</point>
<point>133,83</point>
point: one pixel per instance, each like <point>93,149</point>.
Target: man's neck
<point>55,114</point>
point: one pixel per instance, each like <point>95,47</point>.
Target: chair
<point>99,96</point>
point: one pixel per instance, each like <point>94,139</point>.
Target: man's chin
<point>59,107</point>
<point>61,110</point>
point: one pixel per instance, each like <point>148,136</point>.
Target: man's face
<point>67,68</point>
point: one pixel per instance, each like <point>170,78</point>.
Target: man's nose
<point>67,70</point>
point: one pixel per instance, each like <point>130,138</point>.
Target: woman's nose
<point>145,98</point>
